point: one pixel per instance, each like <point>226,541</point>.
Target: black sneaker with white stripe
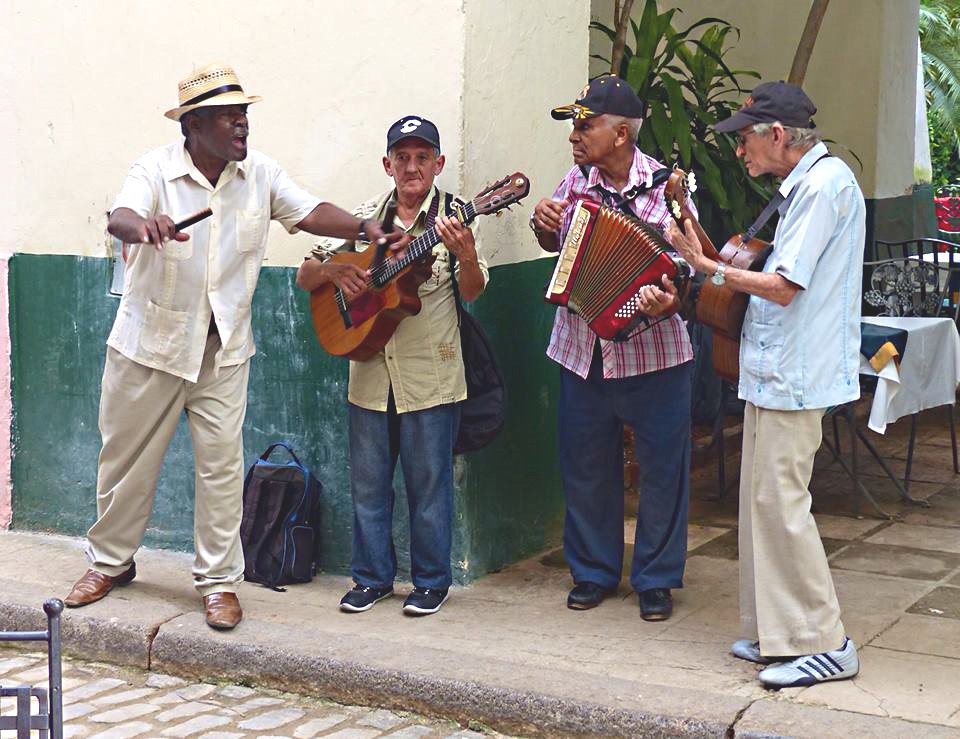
<point>424,601</point>
<point>362,598</point>
<point>811,669</point>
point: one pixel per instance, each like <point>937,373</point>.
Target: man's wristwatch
<point>362,231</point>
<point>533,225</point>
<point>719,277</point>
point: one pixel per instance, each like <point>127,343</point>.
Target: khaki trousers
<point>787,599</point>
<point>139,411</point>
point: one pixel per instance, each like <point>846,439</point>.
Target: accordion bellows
<point>606,259</point>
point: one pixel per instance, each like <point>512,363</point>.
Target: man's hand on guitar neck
<point>397,240</point>
<point>460,241</point>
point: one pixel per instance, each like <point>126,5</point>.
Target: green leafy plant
<point>687,87</point>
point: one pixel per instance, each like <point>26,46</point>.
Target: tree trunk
<point>805,48</point>
<point>621,21</point>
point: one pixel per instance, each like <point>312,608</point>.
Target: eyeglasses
<point>742,138</point>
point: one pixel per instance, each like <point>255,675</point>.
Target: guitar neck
<point>709,250</point>
<point>419,247</point>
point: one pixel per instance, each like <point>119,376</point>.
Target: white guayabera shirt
<point>170,295</point>
<point>806,355</point>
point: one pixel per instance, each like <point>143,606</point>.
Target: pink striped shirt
<point>666,343</point>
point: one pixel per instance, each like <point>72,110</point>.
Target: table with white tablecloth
<point>928,372</point>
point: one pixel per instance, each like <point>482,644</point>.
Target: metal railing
<point>48,721</point>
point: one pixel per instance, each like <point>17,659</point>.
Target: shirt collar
<point>641,172</point>
<point>180,164</point>
<point>803,166</point>
<point>424,206</point>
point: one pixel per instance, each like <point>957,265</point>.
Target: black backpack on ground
<point>280,529</point>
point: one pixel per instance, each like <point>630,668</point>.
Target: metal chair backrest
<point>906,287</point>
<point>945,255</point>
<point>48,721</point>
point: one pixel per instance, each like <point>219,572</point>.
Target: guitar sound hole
<point>365,306</point>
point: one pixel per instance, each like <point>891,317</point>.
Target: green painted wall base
<point>901,218</point>
<point>508,496</point>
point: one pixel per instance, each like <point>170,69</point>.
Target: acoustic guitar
<point>361,327</point>
<point>718,306</point>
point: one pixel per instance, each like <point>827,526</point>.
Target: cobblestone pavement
<point>108,702</point>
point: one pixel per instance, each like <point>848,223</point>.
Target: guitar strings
<point>388,270</point>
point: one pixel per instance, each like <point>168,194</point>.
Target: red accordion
<point>604,262</point>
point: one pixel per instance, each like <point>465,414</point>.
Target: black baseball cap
<point>413,126</point>
<point>604,94</point>
<point>769,102</point>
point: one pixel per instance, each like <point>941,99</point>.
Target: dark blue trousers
<point>592,413</point>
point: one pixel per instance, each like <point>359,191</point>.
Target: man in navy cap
<point>799,355</point>
<point>403,401</point>
<point>643,381</point>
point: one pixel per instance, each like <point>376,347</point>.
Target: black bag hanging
<point>483,413</point>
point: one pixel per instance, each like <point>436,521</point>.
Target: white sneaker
<point>839,664</point>
<point>750,650</point>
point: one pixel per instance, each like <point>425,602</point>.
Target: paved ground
<point>104,701</point>
<point>506,652</point>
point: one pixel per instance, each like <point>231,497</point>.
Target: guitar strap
<point>774,203</point>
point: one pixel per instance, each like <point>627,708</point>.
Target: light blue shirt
<point>806,355</point>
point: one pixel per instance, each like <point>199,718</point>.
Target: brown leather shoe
<point>94,585</point>
<point>223,610</point>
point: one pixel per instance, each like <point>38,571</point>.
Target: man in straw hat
<point>643,381</point>
<point>799,355</point>
<point>182,338</point>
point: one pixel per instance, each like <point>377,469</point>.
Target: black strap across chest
<point>616,200</point>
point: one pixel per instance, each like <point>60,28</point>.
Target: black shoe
<point>362,598</point>
<point>587,595</point>
<point>656,604</point>
<point>424,601</point>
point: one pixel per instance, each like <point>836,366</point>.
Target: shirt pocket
<point>164,331</point>
<point>251,230</point>
<point>763,347</point>
<point>177,251</point>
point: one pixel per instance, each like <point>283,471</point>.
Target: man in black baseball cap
<point>643,381</point>
<point>799,355</point>
<point>404,399</point>
<point>769,102</point>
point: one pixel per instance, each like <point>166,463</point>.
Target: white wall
<point>522,59</point>
<point>86,84</point>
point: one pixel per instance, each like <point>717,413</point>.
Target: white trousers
<point>787,599</point>
<point>139,411</point>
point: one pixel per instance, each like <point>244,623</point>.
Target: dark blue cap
<point>413,126</point>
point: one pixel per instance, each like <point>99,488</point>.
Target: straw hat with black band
<point>215,84</point>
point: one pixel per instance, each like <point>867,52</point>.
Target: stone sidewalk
<point>103,701</point>
<point>506,651</point>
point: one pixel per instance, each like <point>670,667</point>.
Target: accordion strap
<point>619,201</point>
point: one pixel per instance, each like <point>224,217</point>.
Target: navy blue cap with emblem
<point>769,102</point>
<point>413,126</point>
<point>604,94</point>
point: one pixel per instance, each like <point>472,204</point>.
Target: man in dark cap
<point>643,381</point>
<point>403,400</point>
<point>799,355</point>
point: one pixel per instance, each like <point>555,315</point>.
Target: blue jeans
<point>423,441</point>
<point>592,414</point>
